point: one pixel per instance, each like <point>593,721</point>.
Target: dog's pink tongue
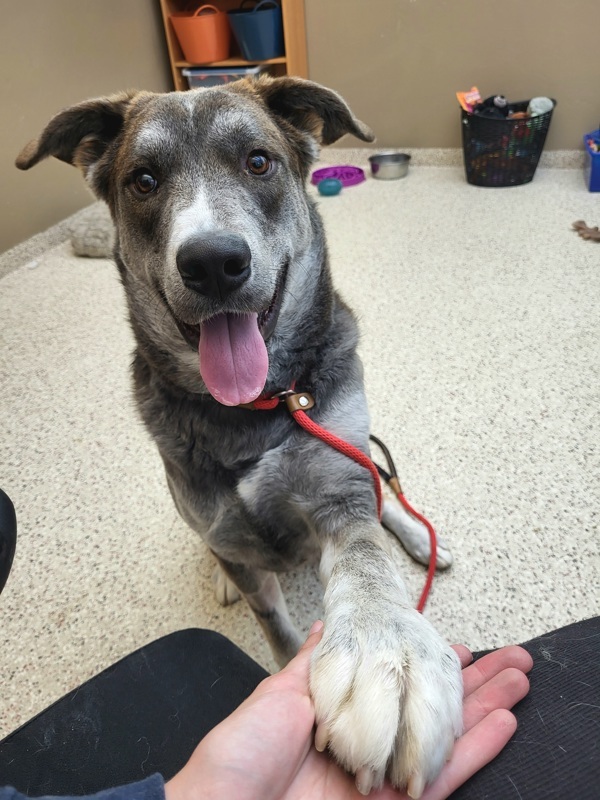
<point>233,358</point>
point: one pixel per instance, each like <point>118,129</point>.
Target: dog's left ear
<point>311,108</point>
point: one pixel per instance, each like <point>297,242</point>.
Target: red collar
<point>295,401</point>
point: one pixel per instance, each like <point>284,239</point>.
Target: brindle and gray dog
<point>224,264</point>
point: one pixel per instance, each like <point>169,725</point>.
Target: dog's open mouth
<point>233,356</point>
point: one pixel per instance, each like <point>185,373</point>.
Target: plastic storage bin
<point>592,167</point>
<point>217,76</point>
<point>204,35</point>
<point>503,152</point>
<point>259,30</point>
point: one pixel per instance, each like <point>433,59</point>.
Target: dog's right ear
<point>80,135</point>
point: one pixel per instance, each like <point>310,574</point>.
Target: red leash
<point>343,447</point>
<point>296,403</point>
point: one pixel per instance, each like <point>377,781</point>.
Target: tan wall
<point>400,62</point>
<point>54,53</point>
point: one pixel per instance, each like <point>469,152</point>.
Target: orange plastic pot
<point>204,35</point>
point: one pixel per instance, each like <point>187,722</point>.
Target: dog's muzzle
<point>233,357</point>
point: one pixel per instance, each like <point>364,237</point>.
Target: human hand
<point>264,750</point>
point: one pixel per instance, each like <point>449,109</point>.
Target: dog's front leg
<point>386,686</point>
<point>263,593</point>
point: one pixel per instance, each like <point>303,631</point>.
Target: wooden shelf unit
<point>294,62</point>
<point>232,62</point>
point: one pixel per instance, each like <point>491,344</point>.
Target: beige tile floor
<point>479,312</point>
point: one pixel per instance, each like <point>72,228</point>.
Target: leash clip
<point>298,401</point>
<point>295,401</point>
<point>283,395</point>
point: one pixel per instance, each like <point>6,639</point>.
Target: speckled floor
<point>479,311</point>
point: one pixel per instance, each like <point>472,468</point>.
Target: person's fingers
<point>501,691</point>
<point>464,654</point>
<point>484,669</point>
<point>472,752</point>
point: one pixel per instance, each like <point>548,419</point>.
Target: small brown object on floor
<point>585,232</point>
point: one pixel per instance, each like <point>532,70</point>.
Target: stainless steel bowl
<point>389,165</point>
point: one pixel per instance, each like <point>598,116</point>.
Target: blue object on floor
<point>592,167</point>
<point>329,187</point>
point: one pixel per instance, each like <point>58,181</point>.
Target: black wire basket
<point>503,152</point>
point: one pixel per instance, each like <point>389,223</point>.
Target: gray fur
<point>263,493</point>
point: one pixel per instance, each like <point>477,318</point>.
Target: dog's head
<point>206,189</point>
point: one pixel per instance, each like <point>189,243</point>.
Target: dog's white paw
<point>226,591</point>
<point>413,535</point>
<point>388,698</point>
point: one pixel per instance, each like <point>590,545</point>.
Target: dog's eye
<point>258,163</point>
<point>145,183</point>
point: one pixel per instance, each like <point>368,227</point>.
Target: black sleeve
<point>152,788</point>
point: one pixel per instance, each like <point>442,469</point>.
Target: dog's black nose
<point>216,264</point>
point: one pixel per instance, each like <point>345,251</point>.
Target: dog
<point>224,264</point>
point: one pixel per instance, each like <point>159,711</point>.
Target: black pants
<point>147,713</point>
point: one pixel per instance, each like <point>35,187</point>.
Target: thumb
<point>300,664</point>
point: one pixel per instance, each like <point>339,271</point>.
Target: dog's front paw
<point>388,698</point>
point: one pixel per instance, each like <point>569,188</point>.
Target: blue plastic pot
<point>258,31</point>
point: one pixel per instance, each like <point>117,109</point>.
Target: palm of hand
<point>264,750</point>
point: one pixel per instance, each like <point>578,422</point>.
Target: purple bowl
<point>345,174</point>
